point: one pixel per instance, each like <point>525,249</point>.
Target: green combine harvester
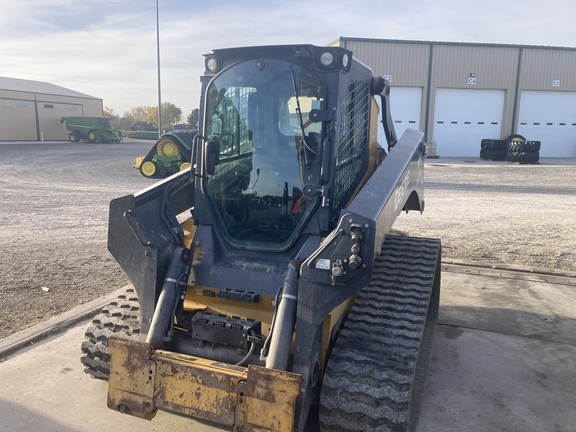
<point>91,129</point>
<point>170,154</point>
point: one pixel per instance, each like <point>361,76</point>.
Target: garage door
<point>405,106</point>
<point>549,117</point>
<point>49,119</point>
<point>462,118</point>
<point>17,120</point>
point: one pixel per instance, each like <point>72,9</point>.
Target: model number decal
<point>400,193</point>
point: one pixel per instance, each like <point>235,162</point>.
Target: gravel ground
<point>500,212</point>
<point>54,211</point>
<point>53,214</point>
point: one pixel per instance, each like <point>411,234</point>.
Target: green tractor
<point>170,154</point>
<point>91,129</point>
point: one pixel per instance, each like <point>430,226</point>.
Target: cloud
<point>107,48</point>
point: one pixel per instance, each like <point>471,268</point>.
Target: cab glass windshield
<point>258,113</point>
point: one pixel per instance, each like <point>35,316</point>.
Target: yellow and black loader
<point>266,278</point>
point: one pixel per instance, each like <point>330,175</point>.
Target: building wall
<point>52,108</point>
<point>28,116</point>
<point>539,69</point>
<point>17,117</point>
<point>404,64</point>
<point>513,69</point>
<point>492,68</point>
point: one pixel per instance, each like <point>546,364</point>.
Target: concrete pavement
<point>503,360</point>
<point>504,355</point>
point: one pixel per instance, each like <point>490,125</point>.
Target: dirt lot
<point>500,212</point>
<point>53,214</point>
<point>54,206</point>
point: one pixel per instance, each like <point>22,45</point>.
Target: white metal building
<point>32,110</point>
<point>460,93</point>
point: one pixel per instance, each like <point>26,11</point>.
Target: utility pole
<point>158,57</point>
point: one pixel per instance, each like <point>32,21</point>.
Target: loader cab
<point>268,127</point>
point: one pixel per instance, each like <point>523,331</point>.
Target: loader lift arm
<point>372,213</point>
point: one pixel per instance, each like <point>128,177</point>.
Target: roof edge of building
<point>40,87</point>
<point>478,44</point>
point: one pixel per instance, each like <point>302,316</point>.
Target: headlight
<point>327,58</point>
<point>211,65</point>
<point>345,60</point>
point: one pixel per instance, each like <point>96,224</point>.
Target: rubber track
<point>376,374</point>
<point>121,316</point>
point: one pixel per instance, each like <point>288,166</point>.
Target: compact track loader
<point>265,277</point>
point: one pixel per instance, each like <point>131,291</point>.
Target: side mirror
<point>211,156</point>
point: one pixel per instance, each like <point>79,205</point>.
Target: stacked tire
<point>494,149</point>
<point>515,148</point>
<point>522,151</point>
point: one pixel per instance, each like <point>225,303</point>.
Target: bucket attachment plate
<point>255,399</point>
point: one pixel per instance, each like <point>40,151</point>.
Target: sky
<point>107,48</point>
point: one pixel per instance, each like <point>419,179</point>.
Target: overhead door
<point>50,119</point>
<point>17,120</point>
<point>405,107</point>
<point>463,117</point>
<point>549,117</point>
